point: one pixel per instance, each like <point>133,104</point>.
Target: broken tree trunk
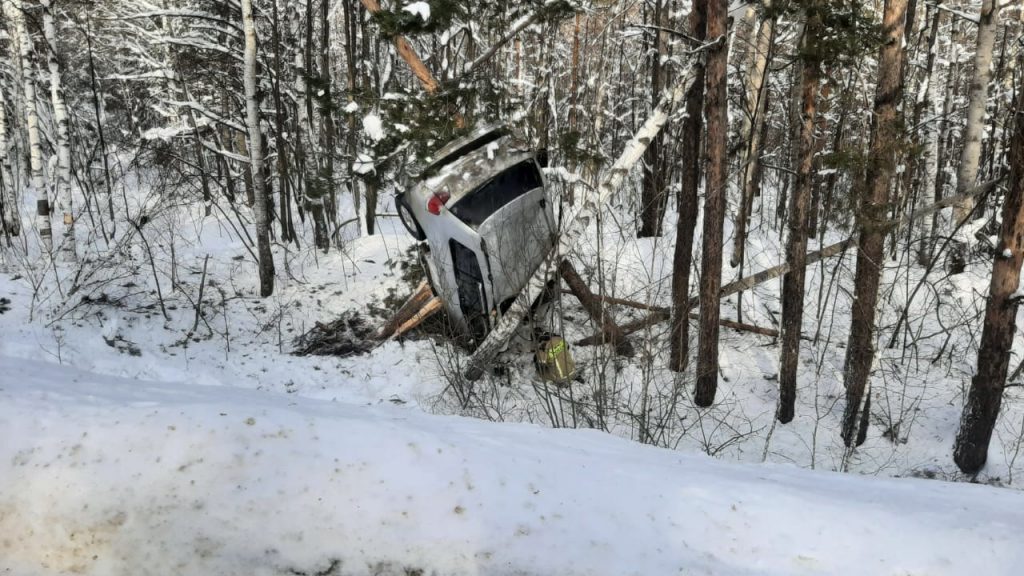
<point>610,331</point>
<point>577,222</point>
<point>748,282</point>
<point>428,310</point>
<point>662,314</point>
<point>415,303</point>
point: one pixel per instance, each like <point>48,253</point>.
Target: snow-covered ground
<point>102,475</point>
<point>113,443</point>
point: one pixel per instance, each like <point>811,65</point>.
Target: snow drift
<point>100,475</point>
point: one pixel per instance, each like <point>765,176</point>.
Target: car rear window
<point>510,184</point>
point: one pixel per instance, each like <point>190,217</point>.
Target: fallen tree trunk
<point>610,332</point>
<point>412,307</point>
<point>428,310</point>
<point>662,314</point>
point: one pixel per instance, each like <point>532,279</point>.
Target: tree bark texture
<point>653,195</point>
<point>62,186</point>
<point>970,155</point>
<point>986,392</point>
<point>24,44</point>
<point>252,109</point>
<point>874,205</point>
<point>796,243</point>
<point>682,257</point>
<point>716,113</point>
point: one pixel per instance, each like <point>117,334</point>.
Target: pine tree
<point>986,393</point>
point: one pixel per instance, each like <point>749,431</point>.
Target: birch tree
<point>23,42</point>
<point>752,130</point>
<point>970,155</point>
<point>62,185</point>
<point>255,144</point>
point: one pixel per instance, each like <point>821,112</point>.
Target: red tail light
<point>436,201</point>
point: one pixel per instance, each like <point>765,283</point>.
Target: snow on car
<point>482,213</point>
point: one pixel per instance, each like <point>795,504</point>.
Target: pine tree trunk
<point>284,186</point>
<point>313,198</point>
<point>11,223</point>
<point>653,197</point>
<point>716,112</point>
<point>252,109</point>
<point>986,393</point>
<point>107,198</point>
<point>687,202</point>
<point>924,168</point>
<point>873,210</point>
<point>327,115</point>
<point>970,156</point>
<point>796,244</point>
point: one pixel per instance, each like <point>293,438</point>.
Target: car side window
<point>510,184</point>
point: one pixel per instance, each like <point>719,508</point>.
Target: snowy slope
<point>100,475</point>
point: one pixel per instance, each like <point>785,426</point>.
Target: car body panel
<point>507,245</point>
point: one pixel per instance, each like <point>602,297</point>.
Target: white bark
<point>970,157</point>
<point>37,185</point>
<point>252,109</point>
<point>60,119</point>
<point>576,223</point>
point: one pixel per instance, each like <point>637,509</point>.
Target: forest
<point>789,231</point>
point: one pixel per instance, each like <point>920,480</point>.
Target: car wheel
<point>408,220</point>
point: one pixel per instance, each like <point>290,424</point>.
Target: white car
<point>483,210</point>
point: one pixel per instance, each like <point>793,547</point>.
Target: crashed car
<point>482,213</point>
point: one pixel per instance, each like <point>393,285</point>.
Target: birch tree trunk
<point>885,137</point>
<point>796,244</point>
<point>62,187</point>
<point>986,393</point>
<point>970,156</point>
<point>690,183</point>
<point>716,111</point>
<point>24,44</point>
<point>752,132</point>
<point>252,109</point>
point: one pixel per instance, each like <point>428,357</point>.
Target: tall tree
<point>752,129</point>
<point>871,215</point>
<point>687,201</point>
<point>653,197</point>
<point>970,155</point>
<point>796,243</point>
<point>252,116</point>
<point>11,223</point>
<point>309,159</point>
<point>62,186</point>
<point>986,392</point>
<point>716,112</point>
<point>23,41</point>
